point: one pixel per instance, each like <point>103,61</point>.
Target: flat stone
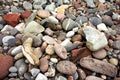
<point>20,27</point>
<point>116,44</point>
<point>66,67</point>
<point>100,54</point>
<point>52,19</point>
<point>95,39</point>
<point>70,34</point>
<point>34,27</point>
<point>107,20</point>
<point>12,74</point>
<point>81,74</point>
<point>93,78</point>
<point>16,50</point>
<point>69,24</point>
<point>60,51</point>
<point>40,76</point>
<point>99,66</point>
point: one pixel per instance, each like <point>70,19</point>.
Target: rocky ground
<point>59,39</point>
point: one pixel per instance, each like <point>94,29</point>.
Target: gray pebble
<point>12,75</point>
<point>27,5</point>
<point>13,69</point>
<point>27,76</point>
<point>34,71</point>
<point>95,20</point>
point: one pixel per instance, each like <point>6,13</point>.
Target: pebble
<point>102,27</point>
<point>90,3</point>
<point>5,40</point>
<point>40,76</point>
<point>54,60</point>
<point>50,7</point>
<point>76,37</point>
<point>49,40</point>
<point>60,51</point>
<point>27,5</point>
<point>95,39</point>
<point>43,13</point>
<point>50,50</point>
<point>81,19</point>
<point>51,72</point>
<point>81,73</point>
<point>26,14</point>
<point>36,29</point>
<point>116,44</point>
<point>69,24</point>
<point>60,16</point>
<point>100,54</point>
<point>93,78</point>
<point>113,61</point>
<point>97,66</point>
<point>107,20</point>
<point>95,20</point>
<point>66,67</point>
<point>12,19</point>
<point>70,34</point>
<point>21,66</point>
<point>5,63</point>
<point>16,50</point>
<point>60,78</point>
<point>20,27</point>
<point>34,72</point>
<point>13,69</point>
<point>49,32</point>
<point>52,19</point>
<point>43,64</point>
<point>12,75</point>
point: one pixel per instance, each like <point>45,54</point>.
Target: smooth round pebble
<point>13,69</point>
<point>16,50</point>
<point>113,61</point>
<point>40,76</point>
<point>66,67</point>
<point>50,50</point>
<point>54,60</point>
<point>70,34</point>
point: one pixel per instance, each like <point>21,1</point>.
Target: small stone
<point>40,76</point>
<point>95,20</point>
<point>69,24</point>
<point>14,9</point>
<point>49,40</point>
<point>50,50</point>
<point>90,3</point>
<point>38,52</point>
<point>49,32</point>
<point>20,27</point>
<point>93,78</point>
<point>16,50</point>
<point>12,19</point>
<point>76,38</point>
<point>34,27</point>
<point>21,66</point>
<point>60,17</point>
<point>66,67</point>
<point>60,51</point>
<point>13,69</point>
<point>43,64</point>
<point>52,19</point>
<point>34,72</point>
<point>95,39</point>
<point>100,54</point>
<point>50,7</point>
<point>82,74</point>
<point>54,60</point>
<point>5,63</point>
<point>5,40</point>
<point>107,20</point>
<point>113,61</point>
<point>61,9</point>
<point>51,72</point>
<point>27,5</point>
<point>70,34</point>
<point>116,44</point>
<point>43,13</point>
<point>99,66</point>
<point>102,27</point>
<point>26,14</point>
<point>12,75</point>
<point>81,19</point>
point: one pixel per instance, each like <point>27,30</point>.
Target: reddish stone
<point>77,54</point>
<point>5,63</point>
<point>77,4</point>
<point>101,7</point>
<point>12,19</point>
<point>26,14</point>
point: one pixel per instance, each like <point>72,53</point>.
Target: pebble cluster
<point>59,39</point>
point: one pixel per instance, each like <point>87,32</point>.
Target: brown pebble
<point>82,74</point>
<point>43,13</point>
<point>76,38</point>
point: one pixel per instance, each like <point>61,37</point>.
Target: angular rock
<point>95,39</point>
<point>93,78</point>
<point>20,27</point>
<point>13,69</point>
<point>60,51</point>
<point>95,20</point>
<point>5,63</point>
<point>34,72</point>
<point>66,67</point>
<point>12,19</point>
<point>43,64</point>
<point>34,27</point>
<point>90,3</point>
<point>16,50</point>
<point>99,66</point>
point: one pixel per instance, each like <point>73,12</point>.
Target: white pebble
<point>70,34</point>
<point>75,29</point>
<point>102,27</point>
<point>54,60</point>
<point>40,76</point>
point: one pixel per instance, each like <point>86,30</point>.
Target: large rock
<point>5,63</point>
<point>99,66</point>
<point>66,67</point>
<point>34,27</point>
<point>95,39</point>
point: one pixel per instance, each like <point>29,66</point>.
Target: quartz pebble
<point>40,76</point>
<point>70,34</point>
<point>34,71</point>
<point>50,49</point>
